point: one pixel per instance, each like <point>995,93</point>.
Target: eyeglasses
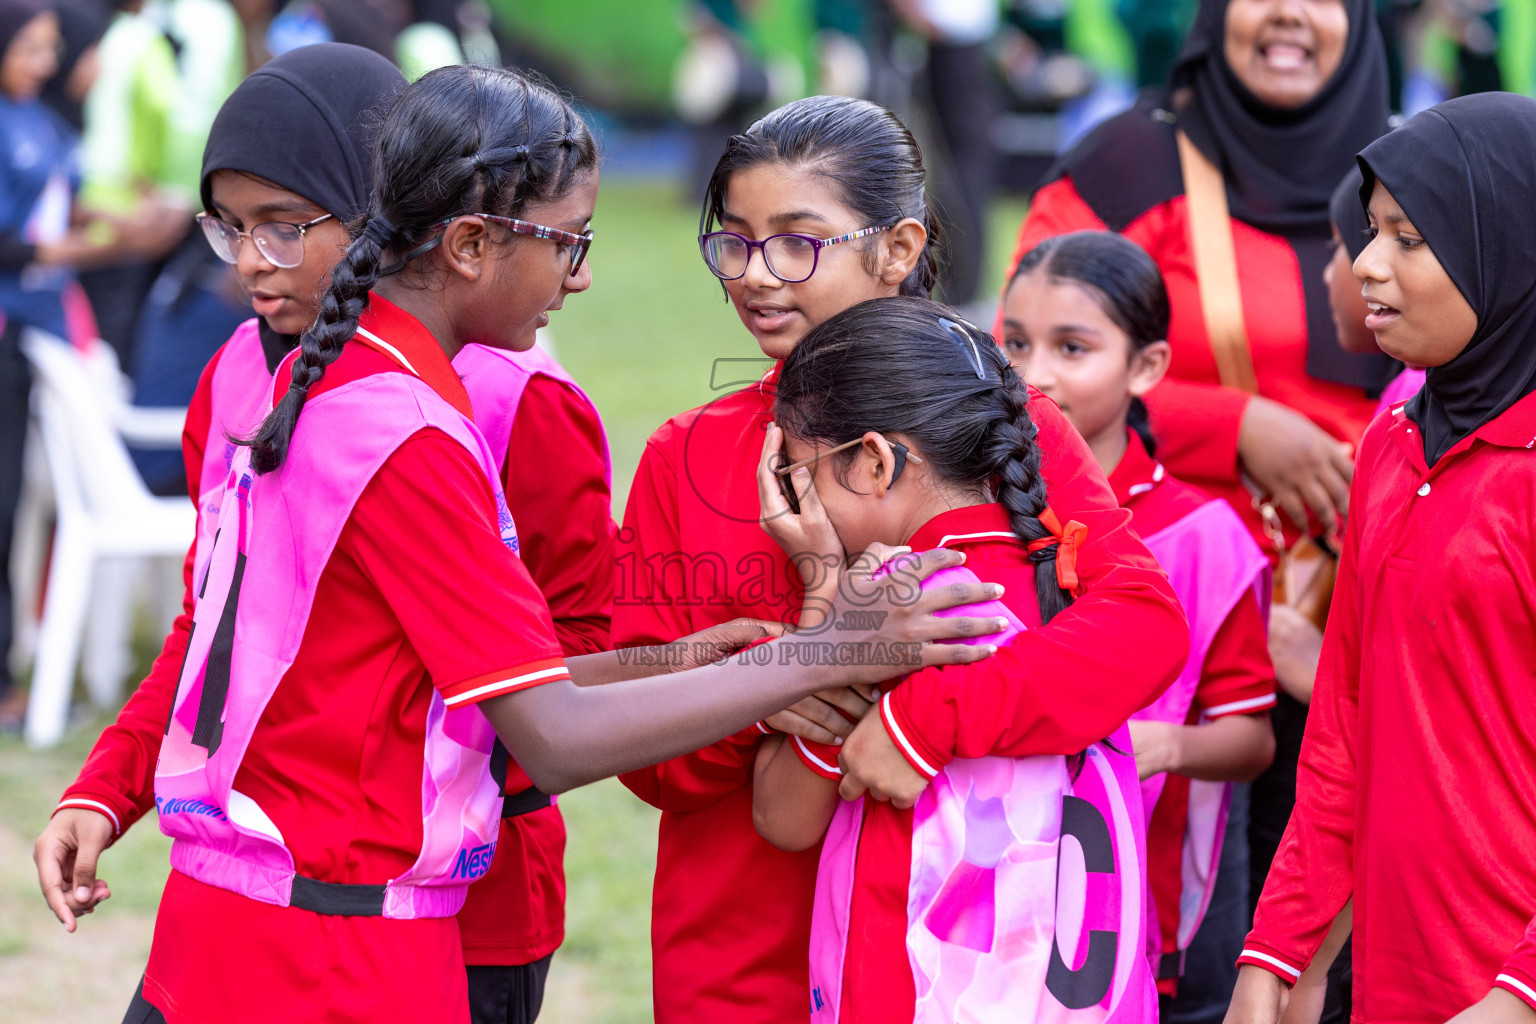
<point>790,258</point>
<point>280,243</point>
<point>786,486</point>
<point>579,243</point>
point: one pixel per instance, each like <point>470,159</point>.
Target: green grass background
<point>641,342</point>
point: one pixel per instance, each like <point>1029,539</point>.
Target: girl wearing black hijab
<point>1277,96</point>
<point>291,146</point>
<point>1414,788</point>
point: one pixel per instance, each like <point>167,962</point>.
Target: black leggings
<point>497,995</point>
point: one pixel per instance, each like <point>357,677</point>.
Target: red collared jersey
<point>515,914</point>
<point>1414,791</point>
<point>335,759</point>
<point>730,922</point>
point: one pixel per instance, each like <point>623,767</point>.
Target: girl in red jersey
<point>362,630</point>
<point>819,206</point>
<point>953,906</point>
<point>1413,794</point>
<point>289,147</point>
<point>1085,320</point>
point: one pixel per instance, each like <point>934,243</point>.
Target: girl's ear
<point>880,460</point>
<point>903,247</point>
<point>1148,367</point>
<point>465,247</point>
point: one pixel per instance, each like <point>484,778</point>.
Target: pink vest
<point>1026,900</point>
<point>246,633</point>
<point>496,379</point>
<point>1213,563</point>
<point>240,396</point>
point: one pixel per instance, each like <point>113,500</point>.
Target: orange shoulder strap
<point>1210,236</point>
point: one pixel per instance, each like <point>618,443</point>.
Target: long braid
<point>345,299</point>
<point>1011,448</point>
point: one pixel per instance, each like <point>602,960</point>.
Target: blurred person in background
<point>962,102</point>
<point>81,26</point>
<point>1273,98</point>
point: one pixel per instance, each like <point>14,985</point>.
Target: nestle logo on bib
<point>474,863</point>
<point>187,806</point>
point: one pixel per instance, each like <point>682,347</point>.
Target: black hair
<point>861,147</point>
<point>912,367</point>
<point>1124,281</point>
<point>462,139</point>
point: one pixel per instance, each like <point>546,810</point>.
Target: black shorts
<point>507,995</point>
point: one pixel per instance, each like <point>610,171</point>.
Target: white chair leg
<point>106,649</point>
<point>29,549</point>
<point>58,645</point>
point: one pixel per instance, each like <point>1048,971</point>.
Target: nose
<point>1370,265</point>
<point>248,258</point>
<point>1286,12</point>
<point>757,275</point>
<point>581,280</point>
<point>1036,368</point>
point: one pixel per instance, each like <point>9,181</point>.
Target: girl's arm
<point>1234,741</point>
<point>1236,748</point>
<point>791,805</point>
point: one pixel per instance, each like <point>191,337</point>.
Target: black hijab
<point>82,23</point>
<point>1349,216</point>
<point>1281,166</point>
<point>302,121</point>
<point>1464,173</point>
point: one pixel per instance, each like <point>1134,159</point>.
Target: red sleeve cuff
<point>113,808</point>
<point>1519,984</point>
<point>925,761</point>
<point>497,684</point>
<point>1279,966</point>
<point>820,758</point>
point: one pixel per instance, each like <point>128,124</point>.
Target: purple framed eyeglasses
<point>790,258</point>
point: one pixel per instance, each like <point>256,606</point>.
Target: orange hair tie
<point>1069,540</point>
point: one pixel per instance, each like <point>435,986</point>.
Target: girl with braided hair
<point>815,208</point>
<point>1085,320</point>
<point>954,906</point>
<point>286,167</point>
<point>363,631</point>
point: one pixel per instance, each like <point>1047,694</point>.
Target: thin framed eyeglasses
<point>789,257</point>
<point>279,242</point>
<point>786,487</point>
<point>579,243</point>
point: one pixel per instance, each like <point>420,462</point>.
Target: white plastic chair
<point>104,512</point>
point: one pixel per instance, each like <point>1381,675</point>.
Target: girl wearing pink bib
<point>1011,886</point>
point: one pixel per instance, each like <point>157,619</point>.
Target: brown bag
<point>1308,568</point>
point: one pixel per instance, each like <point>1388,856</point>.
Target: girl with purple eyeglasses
<point>815,208</point>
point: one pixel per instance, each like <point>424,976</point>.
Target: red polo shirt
<point>1413,795</point>
<point>336,760</point>
<point>730,922</point>
<point>1237,678</point>
<point>516,912</point>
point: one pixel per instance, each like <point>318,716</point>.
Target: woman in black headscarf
<point>1275,98</point>
<point>1414,793</point>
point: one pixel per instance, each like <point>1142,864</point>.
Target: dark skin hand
<point>566,735</point>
